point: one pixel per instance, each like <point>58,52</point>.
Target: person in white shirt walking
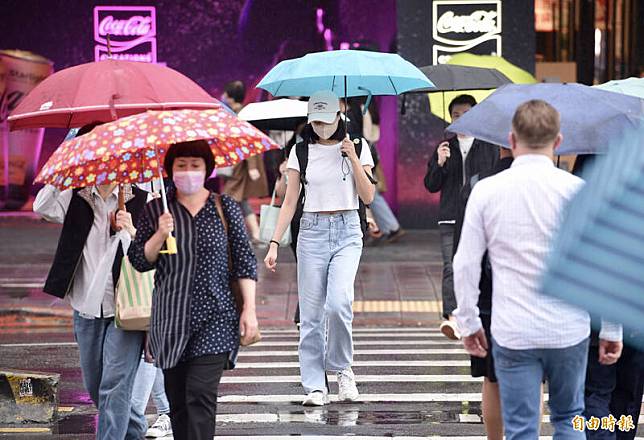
<point>85,272</point>
<point>513,216</point>
<point>329,245</point>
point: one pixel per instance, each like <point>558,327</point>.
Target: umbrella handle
<point>121,198</point>
<point>170,242</point>
<point>171,245</point>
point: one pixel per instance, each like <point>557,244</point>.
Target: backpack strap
<point>302,153</point>
<point>357,143</point>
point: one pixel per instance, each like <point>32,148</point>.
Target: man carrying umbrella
<point>454,163</point>
<point>513,215</point>
<point>85,271</point>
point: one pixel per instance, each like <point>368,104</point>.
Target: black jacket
<point>76,228</point>
<point>485,284</point>
<point>448,179</point>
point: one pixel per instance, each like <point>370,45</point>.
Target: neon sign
<point>465,26</point>
<point>132,31</point>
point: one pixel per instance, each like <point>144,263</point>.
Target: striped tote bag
<point>133,298</point>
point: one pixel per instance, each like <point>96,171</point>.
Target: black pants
<point>447,250</point>
<point>191,388</point>
<point>614,389</point>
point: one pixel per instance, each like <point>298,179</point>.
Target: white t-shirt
<point>326,191</point>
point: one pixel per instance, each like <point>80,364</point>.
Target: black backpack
<point>302,151</point>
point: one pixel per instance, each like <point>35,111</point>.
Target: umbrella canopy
<point>362,73</point>
<point>279,114</point>
<point>590,118</point>
<point>447,77</point>
<point>596,261</point>
<point>629,86</point>
<point>104,91</point>
<point>131,150</point>
<point>439,102</point>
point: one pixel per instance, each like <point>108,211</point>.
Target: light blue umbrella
<point>597,261</point>
<point>629,86</point>
<point>346,73</point>
<point>590,117</point>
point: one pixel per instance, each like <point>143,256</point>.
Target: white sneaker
<point>316,398</point>
<point>450,329</point>
<point>348,391</point>
<point>160,428</point>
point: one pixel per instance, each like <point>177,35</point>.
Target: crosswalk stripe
<point>381,363</point>
<point>358,437</point>
<point>384,352</point>
<point>360,343</point>
<point>366,378</point>
<point>412,336</point>
<point>367,330</point>
<point>412,397</point>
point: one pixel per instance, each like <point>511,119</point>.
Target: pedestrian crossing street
<point>414,384</point>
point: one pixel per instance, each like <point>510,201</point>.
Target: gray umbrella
<point>449,78</point>
<point>452,78</point>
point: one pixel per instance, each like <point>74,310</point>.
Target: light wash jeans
<point>109,359</point>
<point>149,380</point>
<point>385,219</point>
<point>328,254</point>
<point>520,373</point>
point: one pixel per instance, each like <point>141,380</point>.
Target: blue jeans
<point>385,219</point>
<point>328,254</point>
<point>109,359</point>
<point>520,373</point>
<point>149,380</point>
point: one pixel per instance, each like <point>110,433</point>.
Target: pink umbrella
<point>104,91</point>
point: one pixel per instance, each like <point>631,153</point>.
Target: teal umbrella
<point>629,86</point>
<point>346,73</point>
<point>597,260</point>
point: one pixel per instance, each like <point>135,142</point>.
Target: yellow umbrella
<point>439,102</point>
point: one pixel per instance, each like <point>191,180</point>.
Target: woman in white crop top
<point>329,246</point>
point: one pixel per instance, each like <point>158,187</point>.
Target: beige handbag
<point>133,298</point>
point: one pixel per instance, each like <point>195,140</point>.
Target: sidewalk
<point>397,284</point>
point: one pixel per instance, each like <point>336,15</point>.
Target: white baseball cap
<point>324,107</point>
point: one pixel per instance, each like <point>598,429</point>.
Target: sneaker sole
<point>349,398</point>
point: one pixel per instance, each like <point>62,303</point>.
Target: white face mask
<point>325,131</point>
<point>189,182</point>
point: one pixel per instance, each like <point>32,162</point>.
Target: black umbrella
<point>452,78</point>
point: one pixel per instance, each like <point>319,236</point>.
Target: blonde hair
<point>536,124</point>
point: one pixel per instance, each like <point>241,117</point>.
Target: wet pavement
<point>413,382</point>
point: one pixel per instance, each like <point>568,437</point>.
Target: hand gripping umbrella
<point>131,150</point>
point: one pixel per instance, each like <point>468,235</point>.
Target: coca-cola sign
<point>465,26</point>
<point>132,32</point>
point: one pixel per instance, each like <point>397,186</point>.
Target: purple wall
<point>211,41</point>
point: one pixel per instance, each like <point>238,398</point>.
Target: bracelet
<point>276,242</point>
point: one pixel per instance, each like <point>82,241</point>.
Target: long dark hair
<point>309,135</point>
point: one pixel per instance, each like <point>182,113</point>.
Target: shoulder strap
<point>302,153</point>
<point>357,143</point>
<point>224,222</point>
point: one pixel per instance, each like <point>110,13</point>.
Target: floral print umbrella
<point>131,149</point>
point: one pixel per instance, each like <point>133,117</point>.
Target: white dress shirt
<point>92,293</point>
<point>513,215</point>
